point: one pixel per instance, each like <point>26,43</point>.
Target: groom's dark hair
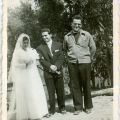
<point>45,30</point>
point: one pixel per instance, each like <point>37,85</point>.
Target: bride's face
<point>25,43</point>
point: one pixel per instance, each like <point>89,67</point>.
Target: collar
<point>49,43</point>
<point>80,31</point>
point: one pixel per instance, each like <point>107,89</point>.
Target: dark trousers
<point>56,84</point>
<point>80,82</point>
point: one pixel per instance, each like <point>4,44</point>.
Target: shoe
<point>47,115</point>
<point>62,111</point>
<point>77,112</point>
<point>88,111</point>
<point>51,113</point>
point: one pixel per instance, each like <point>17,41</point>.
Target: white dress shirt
<point>49,44</point>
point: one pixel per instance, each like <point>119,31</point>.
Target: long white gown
<point>30,97</point>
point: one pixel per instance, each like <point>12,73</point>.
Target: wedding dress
<point>30,100</point>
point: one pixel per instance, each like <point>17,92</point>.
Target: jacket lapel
<point>72,37</point>
<point>47,50</point>
<point>53,47</point>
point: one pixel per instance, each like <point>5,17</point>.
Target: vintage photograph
<point>60,60</point>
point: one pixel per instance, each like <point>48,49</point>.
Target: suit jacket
<point>46,59</point>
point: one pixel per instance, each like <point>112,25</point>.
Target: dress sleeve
<point>36,55</point>
<point>19,60</point>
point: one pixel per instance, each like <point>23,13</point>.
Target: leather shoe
<point>77,112</point>
<point>62,111</point>
<point>88,111</point>
<point>48,115</point>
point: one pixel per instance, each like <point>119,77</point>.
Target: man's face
<point>76,25</point>
<point>46,36</point>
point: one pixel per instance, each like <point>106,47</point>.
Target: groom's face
<point>46,36</point>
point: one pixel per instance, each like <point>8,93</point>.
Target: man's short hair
<point>76,17</point>
<point>45,30</point>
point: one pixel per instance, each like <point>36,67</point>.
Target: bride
<point>30,100</point>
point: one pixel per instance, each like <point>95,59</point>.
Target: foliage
<point>57,14</point>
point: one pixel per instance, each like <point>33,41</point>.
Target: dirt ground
<point>103,110</point>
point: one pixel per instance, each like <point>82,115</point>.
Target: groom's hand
<point>53,68</point>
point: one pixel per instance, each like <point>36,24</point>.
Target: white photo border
<point>3,58</point>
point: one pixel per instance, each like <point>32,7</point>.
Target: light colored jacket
<point>83,50</point>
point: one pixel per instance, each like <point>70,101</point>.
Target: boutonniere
<point>57,50</point>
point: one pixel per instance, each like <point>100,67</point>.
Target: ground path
<point>103,110</point>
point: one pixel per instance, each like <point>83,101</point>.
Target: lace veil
<point>11,73</point>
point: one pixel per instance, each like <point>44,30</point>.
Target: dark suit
<point>54,81</point>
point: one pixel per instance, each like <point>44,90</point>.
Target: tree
<point>57,15</point>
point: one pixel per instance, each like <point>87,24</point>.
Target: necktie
<point>49,46</point>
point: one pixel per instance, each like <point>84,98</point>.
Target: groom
<point>51,58</point>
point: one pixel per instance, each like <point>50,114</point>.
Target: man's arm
<point>45,64</point>
<point>92,46</point>
<point>60,59</point>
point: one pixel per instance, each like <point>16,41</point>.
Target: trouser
<point>80,82</point>
<point>56,84</point>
